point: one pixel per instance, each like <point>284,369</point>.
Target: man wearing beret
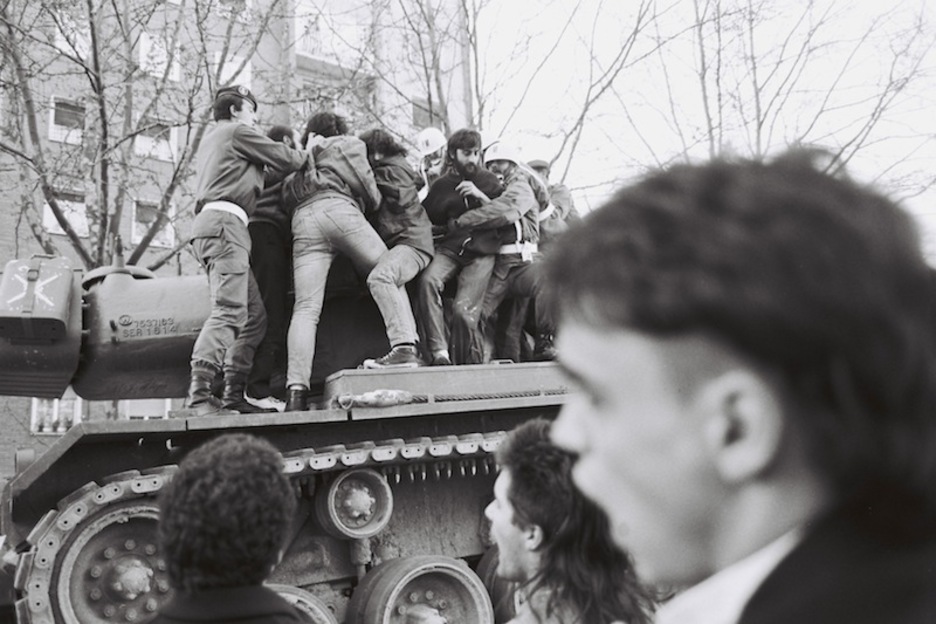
<point>230,169</point>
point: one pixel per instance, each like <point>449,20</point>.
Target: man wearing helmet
<point>514,216</point>
<point>430,144</point>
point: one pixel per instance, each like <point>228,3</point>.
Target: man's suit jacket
<point>861,564</point>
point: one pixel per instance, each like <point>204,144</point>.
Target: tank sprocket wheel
<point>93,559</point>
<point>307,602</point>
<point>428,588</point>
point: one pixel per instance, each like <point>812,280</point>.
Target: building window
<point>73,207</point>
<point>144,215</point>
<point>155,140</point>
<point>56,416</point>
<point>229,74</point>
<point>154,58</point>
<point>425,115</point>
<point>66,121</point>
<point>145,409</point>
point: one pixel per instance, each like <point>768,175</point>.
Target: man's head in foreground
<point>752,344</point>
<point>225,514</point>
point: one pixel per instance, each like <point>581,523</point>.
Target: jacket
<point>231,605</point>
<point>514,214</point>
<point>444,203</point>
<point>230,164</point>
<point>338,166</point>
<point>400,218</point>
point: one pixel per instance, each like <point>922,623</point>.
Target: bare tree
<point>123,86</point>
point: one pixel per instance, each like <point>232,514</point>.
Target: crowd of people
<point>273,211</point>
<point>752,429</point>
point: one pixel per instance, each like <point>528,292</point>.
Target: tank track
<point>413,460</point>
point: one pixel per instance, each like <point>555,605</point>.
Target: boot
<point>233,397</point>
<point>200,399</point>
<point>543,349</point>
<point>297,399</point>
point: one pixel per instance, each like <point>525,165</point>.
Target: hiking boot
<point>297,399</point>
<point>400,356</point>
<point>233,397</point>
<point>441,359</point>
<point>543,349</point>
<point>200,399</point>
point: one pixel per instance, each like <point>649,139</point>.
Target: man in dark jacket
<point>223,523</point>
<point>403,225</point>
<point>460,252</point>
<point>754,354</point>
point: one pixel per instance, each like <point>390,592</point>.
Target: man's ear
<point>743,424</point>
<point>533,537</point>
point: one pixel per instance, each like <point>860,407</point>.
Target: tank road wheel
<point>504,595</point>
<point>307,602</point>
<point>426,589</point>
<point>94,559</point>
<point>357,504</point>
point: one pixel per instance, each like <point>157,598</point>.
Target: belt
<point>545,214</point>
<point>518,248</point>
<point>226,206</point>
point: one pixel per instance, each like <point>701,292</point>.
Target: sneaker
<point>270,402</point>
<point>401,356</point>
<point>441,359</point>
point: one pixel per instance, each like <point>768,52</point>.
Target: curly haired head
<point>811,275</point>
<point>225,514</point>
<point>579,562</point>
<point>326,124</point>
<point>380,141</point>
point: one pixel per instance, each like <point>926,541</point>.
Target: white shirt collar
<point>720,598</point>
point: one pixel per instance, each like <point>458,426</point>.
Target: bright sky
<point>655,108</point>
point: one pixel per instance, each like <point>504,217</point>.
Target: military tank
<point>391,473</point>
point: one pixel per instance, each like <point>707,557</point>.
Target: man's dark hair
<point>466,138</point>
<point>225,514</point>
<point>326,124</point>
<point>379,140</point>
<point>581,567</point>
<point>278,133</point>
<point>815,277</point>
<point>221,108</point>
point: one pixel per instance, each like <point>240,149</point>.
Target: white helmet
<point>430,140</point>
<point>502,151</point>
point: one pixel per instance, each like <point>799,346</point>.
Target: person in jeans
<point>329,198</point>
<point>230,169</point>
<point>404,226</point>
<point>460,252</point>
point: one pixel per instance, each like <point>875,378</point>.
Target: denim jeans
<point>512,278</point>
<point>322,229</point>
<point>237,322</point>
<point>387,285</point>
<point>472,283</point>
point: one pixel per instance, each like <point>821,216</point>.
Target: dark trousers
<point>271,264</point>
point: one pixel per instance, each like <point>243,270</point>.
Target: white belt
<point>545,214</point>
<point>226,206</point>
<point>518,248</point>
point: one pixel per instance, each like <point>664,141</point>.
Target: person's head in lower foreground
<point>552,539</point>
<point>752,345</point>
<point>225,515</point>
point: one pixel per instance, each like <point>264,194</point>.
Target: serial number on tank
<point>145,327</point>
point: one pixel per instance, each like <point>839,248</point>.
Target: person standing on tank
<point>230,169</point>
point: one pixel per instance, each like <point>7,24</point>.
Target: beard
<point>465,170</point>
